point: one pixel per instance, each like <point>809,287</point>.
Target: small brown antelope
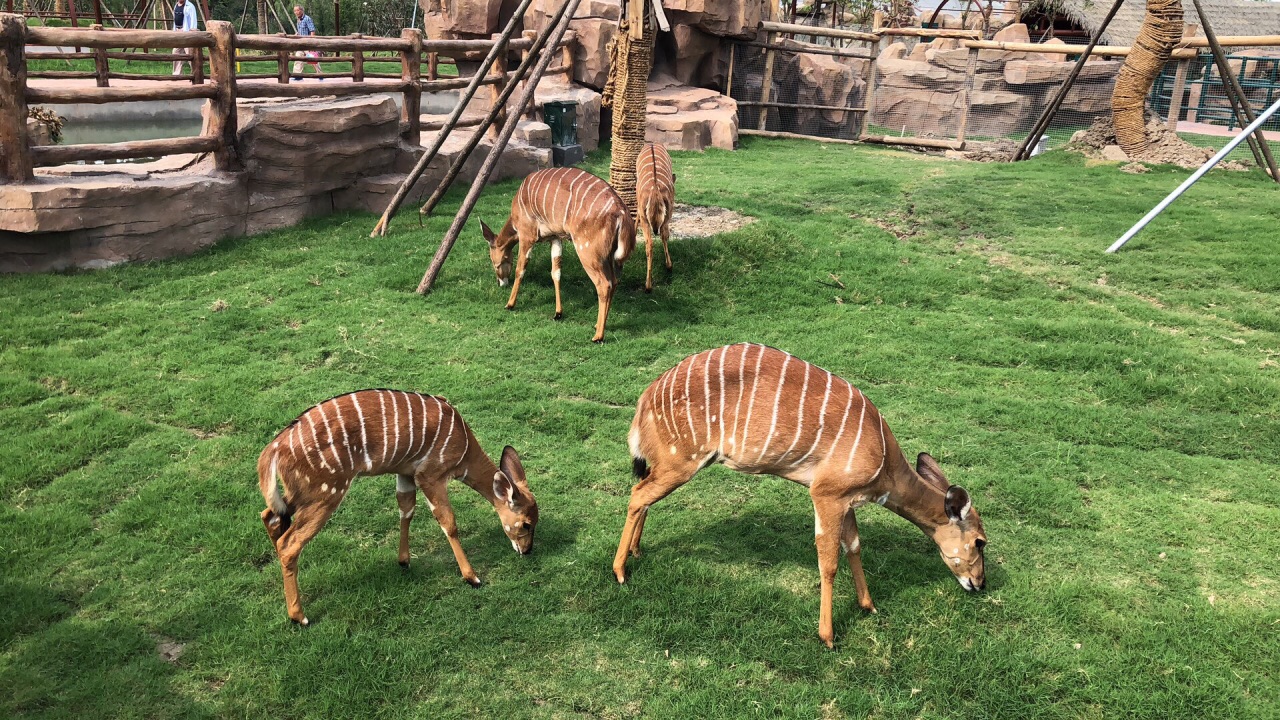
<point>655,199</point>
<point>760,410</point>
<point>568,202</point>
<point>420,438</point>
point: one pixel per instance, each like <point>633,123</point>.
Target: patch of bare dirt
<point>169,649</point>
<point>698,221</point>
<point>992,151</point>
<point>1163,146</point>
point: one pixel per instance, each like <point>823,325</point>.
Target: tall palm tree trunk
<point>1161,30</point>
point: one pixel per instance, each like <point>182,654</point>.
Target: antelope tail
<point>270,487</point>
<point>639,466</point>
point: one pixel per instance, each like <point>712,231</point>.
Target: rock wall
<point>301,159</point>
<point>921,91</point>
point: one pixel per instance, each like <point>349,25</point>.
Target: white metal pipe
<point>1195,176</point>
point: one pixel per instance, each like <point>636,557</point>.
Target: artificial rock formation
<point>685,118</point>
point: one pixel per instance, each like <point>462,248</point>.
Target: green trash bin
<point>562,117</point>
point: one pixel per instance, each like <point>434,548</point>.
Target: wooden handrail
<point>107,39</point>
<point>1055,49</point>
<point>101,95</point>
<point>339,44</point>
<point>777,27</point>
<point>61,154</point>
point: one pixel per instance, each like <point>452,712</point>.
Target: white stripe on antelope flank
<point>857,438</point>
<point>346,439</point>
<point>333,440</point>
<point>364,438</point>
<point>804,394</point>
<point>382,410</point>
<point>720,392</point>
<point>882,446</point>
<point>847,407</point>
<point>395,407</point>
<point>822,422</point>
<point>706,394</point>
<point>688,406</point>
<point>777,398</point>
<point>453,416</point>
<point>315,441</point>
<point>423,451</point>
<point>742,380</point>
<point>408,403</point>
<point>751,402</point>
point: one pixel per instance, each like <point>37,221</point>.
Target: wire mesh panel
<point>813,90</point>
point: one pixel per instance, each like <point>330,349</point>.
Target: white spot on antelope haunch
<point>324,487</point>
<point>817,524</point>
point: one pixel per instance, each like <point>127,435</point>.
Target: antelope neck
<point>478,473</point>
<point>914,498</point>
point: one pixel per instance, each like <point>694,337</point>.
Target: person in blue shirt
<point>184,20</point>
<point>306,28</point>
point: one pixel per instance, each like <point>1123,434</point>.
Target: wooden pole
<point>499,72</point>
<point>282,64</point>
<point>433,66</point>
<point>766,86</point>
<point>728,84</point>
<point>966,101</point>
<point>222,107</point>
<point>1042,123</point>
<point>870,101</point>
<point>337,18</point>
<point>1179,85</point>
<point>101,65</point>
<point>530,90</point>
<point>97,11</point>
<point>1238,99</point>
<point>411,73</point>
<point>357,61</point>
<point>452,120</point>
<point>262,18</point>
<point>15,156</point>
<point>495,154</point>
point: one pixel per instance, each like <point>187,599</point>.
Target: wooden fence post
<point>357,61</point>
<point>433,66</point>
<point>869,102</point>
<point>15,156</point>
<point>411,75</point>
<point>499,74</point>
<point>282,64</point>
<point>966,100</point>
<point>197,64</point>
<point>767,86</point>
<point>223,121</point>
<point>100,65</point>
<point>1180,83</point>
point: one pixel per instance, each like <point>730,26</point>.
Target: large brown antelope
<point>420,438</point>
<point>566,202</point>
<point>655,200</point>
<point>760,410</point>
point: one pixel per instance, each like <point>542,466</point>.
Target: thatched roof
<point>1228,17</point>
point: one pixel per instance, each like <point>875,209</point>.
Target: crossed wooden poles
<point>543,49</point>
<point>1235,94</point>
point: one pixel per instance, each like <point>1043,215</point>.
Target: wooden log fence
<point>222,49</point>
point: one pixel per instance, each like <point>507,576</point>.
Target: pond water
<point>77,132</point>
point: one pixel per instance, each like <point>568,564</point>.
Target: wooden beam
<point>913,142</point>
<point>261,90</point>
<point>223,123</point>
<point>80,37</point>
<point>101,96</point>
<point>43,155</point>
<point>778,27</point>
<point>411,76</point>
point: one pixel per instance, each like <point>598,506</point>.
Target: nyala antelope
<point>420,438</point>
<point>760,410</point>
<point>566,202</point>
<point>655,200</point>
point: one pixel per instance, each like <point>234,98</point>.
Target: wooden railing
<point>223,48</point>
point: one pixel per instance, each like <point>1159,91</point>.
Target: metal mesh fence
<point>941,90</point>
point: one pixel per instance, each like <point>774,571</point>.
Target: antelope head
<point>517,509</point>
<point>961,539</point>
<point>500,246</point>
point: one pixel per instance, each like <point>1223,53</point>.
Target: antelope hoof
<point>598,340</point>
<point>635,551</point>
<point>404,564</point>
<point>304,622</point>
<point>558,316</point>
<point>668,266</point>
<point>648,288</point>
<point>620,575</point>
<point>511,306</point>
<point>473,581</point>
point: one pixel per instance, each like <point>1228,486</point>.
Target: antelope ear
<point>489,237</point>
<point>504,490</point>
<point>512,468</point>
<point>957,504</point>
<point>928,469</point>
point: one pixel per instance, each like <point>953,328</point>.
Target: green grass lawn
<point>1117,419</point>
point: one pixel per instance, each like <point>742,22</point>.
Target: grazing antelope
<point>760,410</point>
<point>568,202</point>
<point>420,438</point>
<point>655,199</point>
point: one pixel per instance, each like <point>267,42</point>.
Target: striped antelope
<point>760,410</point>
<point>420,438</point>
<point>655,199</point>
<point>564,202</point>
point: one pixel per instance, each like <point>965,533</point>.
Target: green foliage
<point>1117,419</point>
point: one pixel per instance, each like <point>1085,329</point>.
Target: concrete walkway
<point>1220,130</point>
